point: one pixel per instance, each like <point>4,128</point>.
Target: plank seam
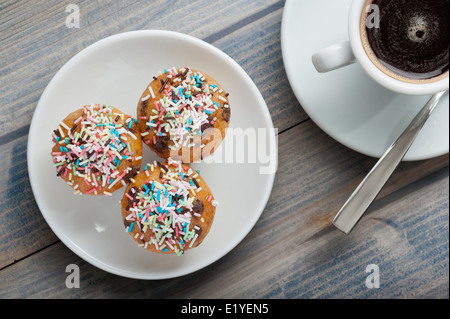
<point>244,22</point>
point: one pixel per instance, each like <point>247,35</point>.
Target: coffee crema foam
<point>411,42</point>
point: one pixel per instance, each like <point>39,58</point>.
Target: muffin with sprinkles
<point>97,149</point>
<point>168,208</point>
<point>183,114</point>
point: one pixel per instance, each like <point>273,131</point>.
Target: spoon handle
<point>369,188</point>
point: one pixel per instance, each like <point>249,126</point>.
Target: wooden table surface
<point>293,251</point>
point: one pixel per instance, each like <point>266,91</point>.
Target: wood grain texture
<point>23,230</point>
<point>293,251</point>
<point>265,65</point>
<point>256,47</point>
<point>40,43</point>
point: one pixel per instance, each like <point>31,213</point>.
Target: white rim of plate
<point>203,46</point>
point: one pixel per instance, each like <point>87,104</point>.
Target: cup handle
<point>333,57</point>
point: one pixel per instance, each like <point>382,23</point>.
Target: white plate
<point>115,71</point>
<point>346,103</point>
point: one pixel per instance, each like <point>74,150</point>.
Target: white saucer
<point>115,71</point>
<point>346,103</point>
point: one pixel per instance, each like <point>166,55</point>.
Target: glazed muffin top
<point>168,208</point>
<point>176,110</point>
<point>97,149</point>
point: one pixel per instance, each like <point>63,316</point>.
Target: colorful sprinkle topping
<point>186,108</point>
<point>94,148</point>
<point>166,208</point>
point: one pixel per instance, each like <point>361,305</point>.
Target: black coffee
<point>411,41</point>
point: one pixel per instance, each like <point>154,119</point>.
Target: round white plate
<point>115,71</point>
<point>347,104</point>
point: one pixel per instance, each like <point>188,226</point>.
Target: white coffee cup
<point>349,52</point>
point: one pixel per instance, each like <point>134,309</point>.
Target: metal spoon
<point>369,188</point>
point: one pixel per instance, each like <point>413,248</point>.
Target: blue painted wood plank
<point>293,251</point>
<point>34,52</point>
